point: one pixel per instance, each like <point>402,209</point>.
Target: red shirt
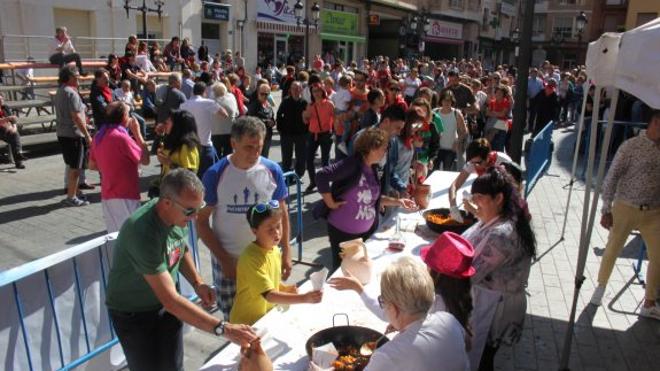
<point>239,99</point>
<point>322,116</point>
<point>499,106</point>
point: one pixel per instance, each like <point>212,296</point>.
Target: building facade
<point>554,33</point>
<point>640,12</point>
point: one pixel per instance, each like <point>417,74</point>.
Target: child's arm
<point>279,297</point>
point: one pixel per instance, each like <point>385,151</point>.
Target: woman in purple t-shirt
<point>354,197</point>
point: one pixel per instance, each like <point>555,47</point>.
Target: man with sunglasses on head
<point>232,185</point>
<point>480,158</point>
<point>142,297</point>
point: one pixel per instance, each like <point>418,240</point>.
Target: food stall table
<point>287,328</point>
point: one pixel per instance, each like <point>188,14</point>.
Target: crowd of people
<point>391,123</point>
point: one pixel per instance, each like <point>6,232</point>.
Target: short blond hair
<point>219,89</point>
<point>407,284</point>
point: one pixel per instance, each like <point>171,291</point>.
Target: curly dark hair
<point>495,181</point>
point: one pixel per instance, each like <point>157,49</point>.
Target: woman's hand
<point>348,282</point>
<point>163,159</point>
<point>470,207</point>
<point>330,201</point>
<point>407,204</point>
<point>242,335</point>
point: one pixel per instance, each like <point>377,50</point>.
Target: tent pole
<point>605,146</point>
<point>583,246</point>
<point>578,141</point>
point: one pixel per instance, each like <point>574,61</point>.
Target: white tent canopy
<point>628,62</point>
<point>636,68</point>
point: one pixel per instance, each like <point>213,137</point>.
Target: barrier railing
<point>19,47</point>
<point>539,157</point>
<point>54,317</point>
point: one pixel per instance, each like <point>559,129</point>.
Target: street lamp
<point>145,9</point>
<point>515,37</point>
<point>417,25</point>
<point>580,22</point>
<point>300,20</point>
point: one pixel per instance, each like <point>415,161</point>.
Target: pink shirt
<point>117,157</point>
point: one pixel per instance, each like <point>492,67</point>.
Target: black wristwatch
<point>219,329</point>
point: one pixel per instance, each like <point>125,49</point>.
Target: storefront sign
<point>445,30</point>
<point>374,20</point>
<point>217,12</point>
<point>339,22</point>
<point>276,11</point>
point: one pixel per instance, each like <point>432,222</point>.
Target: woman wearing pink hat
<point>504,245</point>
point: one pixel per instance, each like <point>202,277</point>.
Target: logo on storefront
<point>275,10</point>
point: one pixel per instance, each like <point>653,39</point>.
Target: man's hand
<point>206,294</point>
<point>606,220</point>
<point>242,335</point>
<point>286,264</point>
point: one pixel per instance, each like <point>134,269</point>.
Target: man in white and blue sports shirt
<point>232,185</point>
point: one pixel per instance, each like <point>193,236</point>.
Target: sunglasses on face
<point>381,302</point>
<point>188,211</point>
<point>261,208</point>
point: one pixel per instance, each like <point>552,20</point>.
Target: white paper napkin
<point>324,356</point>
<point>318,279</point>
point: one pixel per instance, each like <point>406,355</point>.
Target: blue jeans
<point>151,340</point>
<point>207,157</point>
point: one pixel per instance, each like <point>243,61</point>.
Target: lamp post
<point>316,15</point>
<point>515,37</point>
<point>580,23</point>
<point>418,25</point>
<point>145,9</point>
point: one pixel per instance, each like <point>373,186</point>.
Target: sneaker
<point>19,165</point>
<point>597,296</point>
<point>310,188</point>
<point>75,202</point>
<point>650,312</point>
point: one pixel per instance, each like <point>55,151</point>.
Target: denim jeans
<point>207,158</point>
<point>151,340</point>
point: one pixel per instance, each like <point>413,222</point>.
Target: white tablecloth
<point>288,327</point>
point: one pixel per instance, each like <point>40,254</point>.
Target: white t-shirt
<point>450,132</point>
<point>435,343</point>
<point>232,191</point>
<point>144,63</point>
<point>228,102</point>
<point>411,86</point>
<point>124,96</point>
<point>342,99</point>
<point>204,110</point>
<point>67,47</point>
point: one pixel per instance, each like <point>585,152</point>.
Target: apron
<point>484,302</point>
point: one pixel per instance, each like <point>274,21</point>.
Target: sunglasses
<point>263,207</point>
<point>188,211</point>
<point>381,302</point>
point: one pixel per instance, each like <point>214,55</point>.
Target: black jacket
<point>289,117</point>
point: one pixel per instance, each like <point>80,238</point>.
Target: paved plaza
<point>33,224</point>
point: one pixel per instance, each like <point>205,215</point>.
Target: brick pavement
<point>33,224</point>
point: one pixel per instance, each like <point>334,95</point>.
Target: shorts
<point>74,151</point>
<point>116,211</point>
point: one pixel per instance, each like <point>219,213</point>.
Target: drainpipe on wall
<point>243,22</point>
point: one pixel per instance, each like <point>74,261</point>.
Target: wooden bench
<point>33,120</point>
<point>43,65</point>
<point>18,105</point>
<point>54,79</point>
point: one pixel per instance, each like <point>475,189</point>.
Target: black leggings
<point>61,59</point>
<point>487,362</point>
<point>337,236</point>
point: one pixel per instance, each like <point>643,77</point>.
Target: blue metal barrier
<point>539,157</point>
<point>297,236</point>
<point>54,312</point>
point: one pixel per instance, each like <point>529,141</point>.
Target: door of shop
<point>280,50</point>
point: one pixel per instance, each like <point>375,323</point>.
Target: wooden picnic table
<point>28,103</point>
<point>53,79</point>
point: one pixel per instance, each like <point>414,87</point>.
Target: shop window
<point>456,4</point>
<point>484,21</point>
<point>563,26</point>
<point>538,25</point>
<point>474,5</point>
<point>210,31</point>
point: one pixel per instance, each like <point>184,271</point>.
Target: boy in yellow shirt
<point>259,269</point>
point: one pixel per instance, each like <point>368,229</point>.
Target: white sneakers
<point>597,296</point>
<point>650,312</point>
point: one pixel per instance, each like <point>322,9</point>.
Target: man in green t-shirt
<point>145,307</point>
